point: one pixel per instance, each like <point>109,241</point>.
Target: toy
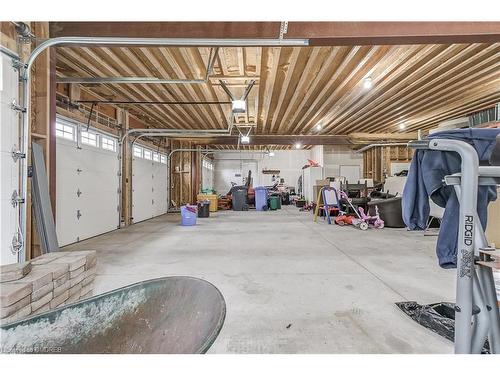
<point>373,221</point>
<point>361,220</point>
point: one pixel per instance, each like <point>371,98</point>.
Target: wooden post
<point>123,120</point>
<point>40,129</point>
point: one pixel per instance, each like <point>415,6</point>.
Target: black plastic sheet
<point>438,317</point>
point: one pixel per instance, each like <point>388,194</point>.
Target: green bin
<point>273,202</point>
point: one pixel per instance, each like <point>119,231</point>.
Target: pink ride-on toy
<point>372,221</point>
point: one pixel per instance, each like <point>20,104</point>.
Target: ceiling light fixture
<point>298,145</point>
<point>367,83</point>
<point>402,126</point>
<point>245,139</point>
<point>319,127</point>
<point>238,106</point>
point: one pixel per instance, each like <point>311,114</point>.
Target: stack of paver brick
<point>44,283</point>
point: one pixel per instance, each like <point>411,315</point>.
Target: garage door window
<point>147,154</point>
<point>65,131</point>
<point>156,157</point>
<point>163,159</point>
<point>89,138</point>
<point>138,152</point>
<point>108,143</point>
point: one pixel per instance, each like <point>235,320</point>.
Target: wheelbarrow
<point>167,315</point>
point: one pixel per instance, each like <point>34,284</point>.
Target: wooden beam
<point>368,137</point>
<point>318,33</point>
<point>167,29</point>
<point>123,119</point>
<point>387,33</point>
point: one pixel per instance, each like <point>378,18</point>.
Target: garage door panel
<point>67,224</point>
<point>92,172</point>
<point>160,189</point>
<point>149,184</point>
<point>141,190</point>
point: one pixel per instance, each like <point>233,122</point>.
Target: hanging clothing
<point>425,179</point>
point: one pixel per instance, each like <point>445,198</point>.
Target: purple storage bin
<point>189,214</point>
<point>260,198</point>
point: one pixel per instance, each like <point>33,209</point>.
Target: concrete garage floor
<point>335,286</point>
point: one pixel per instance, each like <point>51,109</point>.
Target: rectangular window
<point>65,131</point>
<point>147,154</point>
<point>108,143</point>
<point>163,159</point>
<point>89,138</point>
<point>208,164</point>
<point>156,157</point>
<point>138,152</point>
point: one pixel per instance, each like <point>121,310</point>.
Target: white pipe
<point>380,145</point>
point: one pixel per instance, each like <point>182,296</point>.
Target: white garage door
<point>86,183</point>
<point>149,184</point>
<point>9,139</point>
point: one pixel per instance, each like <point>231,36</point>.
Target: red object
<point>343,220</point>
<point>312,163</point>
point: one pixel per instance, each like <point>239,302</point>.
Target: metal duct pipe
<point>178,42</point>
<point>127,80</point>
<point>380,145</point>
<point>152,102</point>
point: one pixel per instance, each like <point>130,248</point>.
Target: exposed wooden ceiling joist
<point>300,87</point>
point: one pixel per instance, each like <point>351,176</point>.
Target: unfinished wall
<point>380,161</point>
<point>185,170</point>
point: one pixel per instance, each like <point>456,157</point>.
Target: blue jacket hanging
<point>425,179</point>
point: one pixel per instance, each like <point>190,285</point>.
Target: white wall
<point>9,137</point>
<point>318,154</point>
<point>289,163</point>
<point>337,156</point>
<point>92,171</point>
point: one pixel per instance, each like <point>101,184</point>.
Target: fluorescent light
<point>239,106</point>
<point>271,154</point>
<point>367,83</point>
<point>402,126</point>
<point>319,127</point>
<point>298,145</point>
<point>245,139</point>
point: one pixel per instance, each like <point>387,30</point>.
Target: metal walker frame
<point>477,314</point>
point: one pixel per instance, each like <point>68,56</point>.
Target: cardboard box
<point>325,182</point>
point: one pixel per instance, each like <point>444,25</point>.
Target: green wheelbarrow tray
<point>177,314</point>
